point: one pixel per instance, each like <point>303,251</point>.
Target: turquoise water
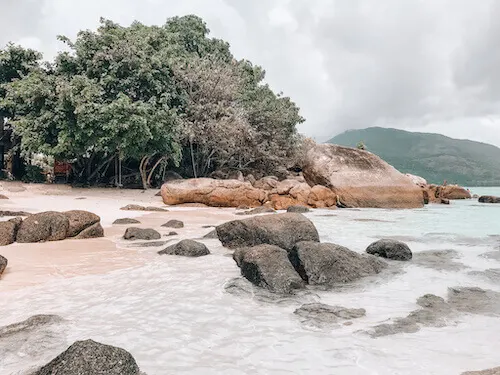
<point>175,316</point>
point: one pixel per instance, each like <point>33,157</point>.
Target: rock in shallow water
<point>134,233</point>
<point>298,209</point>
<point>173,224</point>
<point>90,357</point>
<point>489,199</point>
<point>491,371</point>
<point>283,230</point>
<point>187,248</point>
<point>390,249</point>
<point>320,313</point>
<point>441,260</point>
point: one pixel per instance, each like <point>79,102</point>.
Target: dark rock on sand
<point>136,207</point>
<point>94,231</point>
<point>134,233</point>
<point>489,199</point>
<point>211,235</point>
<point>257,211</point>
<point>268,266</point>
<point>169,234</point>
<point>7,233</point>
<point>80,220</point>
<point>3,264</point>
<point>44,226</point>
<point>282,230</point>
<point>186,248</point>
<point>90,357</point>
<point>173,224</point>
<point>126,220</point>
<point>298,209</point>
<point>390,249</point>
<point>491,371</point>
<point>148,244</point>
<point>330,264</point>
<point>321,313</point>
<point>441,260</point>
<point>444,201</point>
<point>14,213</point>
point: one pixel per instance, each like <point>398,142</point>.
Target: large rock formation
<point>360,178</point>
<point>283,230</point>
<point>90,357</point>
<point>217,193</point>
<point>454,192</point>
<point>44,226</point>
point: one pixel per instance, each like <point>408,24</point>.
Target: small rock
<point>187,248</point>
<point>126,220</point>
<point>321,313</point>
<point>94,231</point>
<point>3,264</point>
<point>444,201</point>
<point>390,249</point>
<point>136,207</point>
<point>7,233</point>
<point>173,224</point>
<point>491,371</point>
<point>172,234</point>
<point>489,199</point>
<point>134,233</point>
<point>3,196</point>
<point>90,357</point>
<point>80,220</point>
<point>298,209</point>
<point>258,210</point>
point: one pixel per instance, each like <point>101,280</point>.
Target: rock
<point>475,196</point>
<point>14,213</point>
<point>360,178</point>
<point>321,313</point>
<point>187,248</point>
<point>94,231</point>
<point>3,196</point>
<point>282,202</point>
<point>257,211</point>
<point>17,222</point>
<point>489,199</point>
<point>211,235</point>
<point>284,187</point>
<point>126,221</point>
<point>330,264</point>
<point>491,274</point>
<point>250,178</point>
<point>268,266</point>
<point>266,183</point>
<point>134,233</point>
<point>80,220</point>
<point>390,249</point>
<point>491,371</point>
<point>136,207</point>
<point>173,224</point>
<point>321,197</point>
<point>444,201</point>
<point>441,260</point>
<point>474,300</point>
<point>298,209</point>
<point>283,230</point>
<point>7,233</point>
<point>454,192</point>
<point>172,234</point>
<point>172,176</point>
<point>417,180</point>
<point>300,192</point>
<point>44,226</point>
<point>3,264</point>
<point>90,357</point>
<point>216,193</point>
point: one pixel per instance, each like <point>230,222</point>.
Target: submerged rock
<point>489,199</point>
<point>491,371</point>
<point>268,266</point>
<point>282,230</point>
<point>90,357</point>
<point>298,209</point>
<point>330,264</point>
<point>134,233</point>
<point>390,249</point>
<point>492,274</point>
<point>126,220</point>
<point>441,260</point>
<point>173,224</point>
<point>320,313</point>
<point>474,300</point>
<point>7,233</point>
<point>44,226</point>
<point>257,211</point>
<point>3,264</point>
<point>187,248</point>
<point>80,220</point>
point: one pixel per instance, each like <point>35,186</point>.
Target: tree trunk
<point>2,142</point>
<point>143,171</point>
<point>192,158</point>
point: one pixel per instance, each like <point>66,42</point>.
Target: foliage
<point>431,156</point>
<point>34,174</point>
<point>361,145</point>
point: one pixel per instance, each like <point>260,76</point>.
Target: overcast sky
<point>422,65</point>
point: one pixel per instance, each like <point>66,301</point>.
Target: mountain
<point>431,156</point>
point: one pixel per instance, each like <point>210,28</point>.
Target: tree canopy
<point>162,95</point>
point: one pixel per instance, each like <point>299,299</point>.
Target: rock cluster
<point>488,199</point>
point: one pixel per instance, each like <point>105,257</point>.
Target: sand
<point>33,264</point>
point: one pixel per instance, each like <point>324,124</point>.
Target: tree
<point>361,145</point>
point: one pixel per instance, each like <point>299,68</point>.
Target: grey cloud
<point>348,64</point>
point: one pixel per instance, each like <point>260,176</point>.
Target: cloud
<point>417,65</point>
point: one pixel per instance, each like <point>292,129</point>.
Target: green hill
<point>431,156</point>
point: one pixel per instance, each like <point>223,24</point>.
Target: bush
<point>34,174</point>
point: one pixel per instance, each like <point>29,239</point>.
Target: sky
<point>418,65</point>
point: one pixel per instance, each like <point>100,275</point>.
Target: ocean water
<point>176,316</point>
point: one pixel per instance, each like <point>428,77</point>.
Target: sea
<point>194,316</point>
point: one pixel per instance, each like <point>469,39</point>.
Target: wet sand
<point>34,264</point>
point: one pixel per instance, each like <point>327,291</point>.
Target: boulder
<point>284,187</point>
<point>282,202</point>
<point>257,211</point>
<point>360,178</point>
<point>135,233</point>
<point>268,266</point>
<point>187,248</point>
<point>94,231</point>
<point>80,220</point>
<point>300,192</point>
<point>321,197</point>
<point>14,213</point>
<point>390,249</point>
<point>329,264</point>
<point>216,193</point>
<point>321,313</point>
<point>211,235</point>
<point>44,226</point>
<point>444,201</point>
<point>266,183</point>
<point>91,357</point>
<point>298,209</point>
<point>454,192</point>
<point>7,233</point>
<point>283,230</point>
<point>172,176</point>
<point>489,199</point>
<point>126,220</point>
<point>3,264</point>
<point>173,224</point>
<point>417,180</point>
<point>169,234</point>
